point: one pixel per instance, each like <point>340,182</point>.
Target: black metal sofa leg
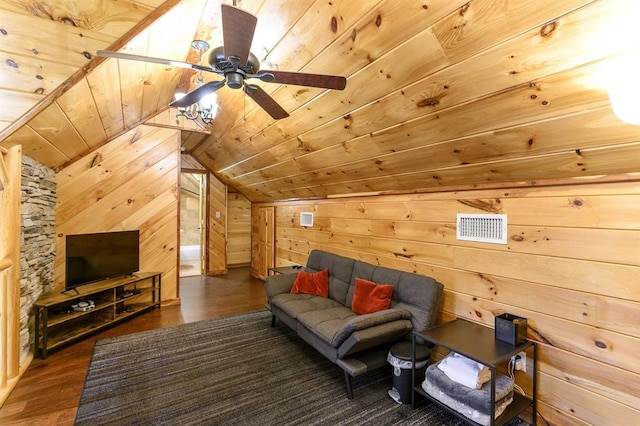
<point>273,320</point>
<point>347,379</point>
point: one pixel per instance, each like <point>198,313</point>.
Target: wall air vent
<point>484,228</point>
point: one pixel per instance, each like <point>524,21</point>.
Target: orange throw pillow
<point>316,283</point>
<point>369,297</point>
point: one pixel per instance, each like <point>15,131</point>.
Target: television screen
<point>94,257</point>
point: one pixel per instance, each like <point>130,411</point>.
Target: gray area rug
<point>233,371</point>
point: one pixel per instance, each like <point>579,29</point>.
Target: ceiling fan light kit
<point>235,63</point>
<point>206,108</point>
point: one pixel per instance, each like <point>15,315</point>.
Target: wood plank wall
<point>216,234</point>
<point>571,266</point>
<point>238,230</point>
<point>129,183</point>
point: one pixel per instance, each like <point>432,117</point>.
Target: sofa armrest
<point>362,322</point>
<point>278,284</point>
<point>382,334</point>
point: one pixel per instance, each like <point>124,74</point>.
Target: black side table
<point>285,270</point>
<point>478,343</point>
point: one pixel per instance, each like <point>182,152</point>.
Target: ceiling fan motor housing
<point>220,63</point>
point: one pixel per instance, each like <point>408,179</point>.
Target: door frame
<point>203,216</point>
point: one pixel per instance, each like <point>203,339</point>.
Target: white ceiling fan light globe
<point>208,107</point>
<point>209,101</point>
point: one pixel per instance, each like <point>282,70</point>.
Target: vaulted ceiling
<point>440,93</point>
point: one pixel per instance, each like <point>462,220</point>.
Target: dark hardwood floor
<point>49,391</point>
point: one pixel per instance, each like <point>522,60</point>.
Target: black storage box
<point>511,329</point>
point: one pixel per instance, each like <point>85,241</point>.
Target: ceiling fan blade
<point>197,94</point>
<point>238,27</point>
<point>178,64</point>
<point>313,80</point>
<point>265,101</point>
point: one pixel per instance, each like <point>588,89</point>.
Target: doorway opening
<point>192,223</point>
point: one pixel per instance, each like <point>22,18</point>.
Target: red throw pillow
<point>312,283</point>
<point>369,297</point>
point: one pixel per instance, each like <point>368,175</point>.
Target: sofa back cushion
<point>418,294</point>
<point>340,272</point>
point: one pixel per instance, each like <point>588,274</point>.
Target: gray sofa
<point>356,343</point>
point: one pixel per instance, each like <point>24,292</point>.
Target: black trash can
<point>400,359</point>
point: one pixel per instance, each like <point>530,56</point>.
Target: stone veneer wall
<point>37,241</point>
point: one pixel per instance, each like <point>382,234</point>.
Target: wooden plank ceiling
<point>440,93</point>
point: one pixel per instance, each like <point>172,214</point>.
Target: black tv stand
<point>58,323</point>
<point>71,289</point>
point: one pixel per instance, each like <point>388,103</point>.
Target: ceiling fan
<point>235,63</point>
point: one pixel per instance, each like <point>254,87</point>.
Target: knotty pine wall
<point>129,183</point>
<point>238,230</point>
<point>216,233</point>
<point>571,266</point>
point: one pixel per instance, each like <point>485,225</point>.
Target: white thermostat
<point>306,219</point>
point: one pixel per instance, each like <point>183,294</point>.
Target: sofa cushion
<point>316,283</point>
<point>299,303</point>
<point>418,294</point>
<point>369,297</point>
<point>340,272</point>
<point>326,323</point>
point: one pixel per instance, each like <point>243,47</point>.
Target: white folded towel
<point>465,371</point>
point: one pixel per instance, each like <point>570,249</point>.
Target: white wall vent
<point>306,219</point>
<point>485,228</point>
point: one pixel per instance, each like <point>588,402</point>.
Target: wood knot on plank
<point>428,102</point>
<point>95,160</point>
<point>334,25</point>
<point>68,21</point>
<point>491,206</point>
<point>302,146</point>
<point>403,255</point>
<point>135,136</point>
<point>600,344</point>
<point>539,336</point>
<point>548,29</point>
<point>487,279</point>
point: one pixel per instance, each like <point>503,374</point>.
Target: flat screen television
<point>95,257</point>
